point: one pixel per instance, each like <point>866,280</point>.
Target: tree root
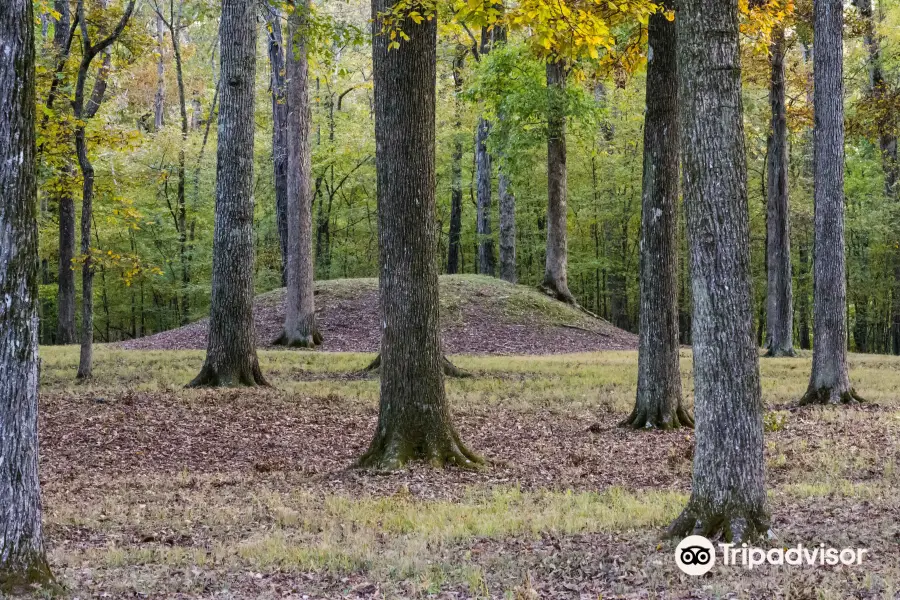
<point>391,451</point>
<point>211,377</point>
<point>780,353</point>
<point>450,370</point>
<point>299,340</point>
<point>830,396</point>
<point>550,289</point>
<point>643,419</point>
<point>25,579</point>
<point>733,526</point>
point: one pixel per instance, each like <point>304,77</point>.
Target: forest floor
<point>479,315</point>
<point>155,491</point>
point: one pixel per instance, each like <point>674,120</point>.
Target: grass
<point>526,527</point>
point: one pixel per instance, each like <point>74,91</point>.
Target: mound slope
<point>479,315</point>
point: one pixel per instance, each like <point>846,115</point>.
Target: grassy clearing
<point>269,525</point>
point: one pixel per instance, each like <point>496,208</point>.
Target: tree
<point>414,418</point>
<point>555,281</point>
<point>779,292</point>
<point>23,560</point>
<point>453,248</point>
<point>231,351</point>
<point>728,496</point>
<point>484,179</point>
<point>279,129</point>
<point>300,328</point>
<point>658,403</point>
<point>83,114</point>
<point>830,379</point>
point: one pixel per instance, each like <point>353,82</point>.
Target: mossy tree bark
<point>231,351</point>
<point>779,292</point>
<point>414,418</point>
<point>85,111</point>
<point>830,379</point>
<point>556,282</point>
<point>22,558</point>
<point>728,496</point>
<point>658,403</point>
<point>300,328</point>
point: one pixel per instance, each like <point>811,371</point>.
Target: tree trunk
<point>159,102</point>
<point>454,249</point>
<point>728,496</point>
<point>658,403</point>
<point>231,352</point>
<point>300,328</point>
<point>830,379</point>
<point>803,302</point>
<point>22,558</point>
<point>507,230</point>
<point>555,281</point>
<point>484,179</point>
<point>414,418</point>
<point>279,131</point>
<point>779,299</point>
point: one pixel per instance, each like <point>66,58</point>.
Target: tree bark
<point>507,229</point>
<point>159,101</point>
<point>779,294</point>
<point>728,496</point>
<point>279,131</point>
<point>23,560</point>
<point>454,248</point>
<point>484,181</point>
<point>414,418</point>
<point>830,379</point>
<point>658,403</point>
<point>300,328</point>
<point>84,113</point>
<point>555,281</point>
<point>231,351</point>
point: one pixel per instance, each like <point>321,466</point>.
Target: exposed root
<point>211,377</point>
<point>563,295</point>
<point>299,340</point>
<point>780,353</point>
<point>733,526</point>
<point>450,370</point>
<point>27,579</point>
<point>830,396</point>
<point>391,451</point>
<point>644,419</point>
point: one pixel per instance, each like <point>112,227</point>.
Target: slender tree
<point>279,128</point>
<point>484,180</point>
<point>23,561</point>
<point>159,101</point>
<point>454,249</point>
<point>300,327</point>
<point>658,403</point>
<point>830,379</point>
<point>231,351</point>
<point>555,281</point>
<point>779,292</point>
<point>728,496</point>
<point>414,418</point>
<point>506,199</point>
<point>84,111</point>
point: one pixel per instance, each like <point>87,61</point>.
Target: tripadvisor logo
<point>695,555</point>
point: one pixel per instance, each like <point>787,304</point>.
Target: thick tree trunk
<point>779,299</point>
<point>555,281</point>
<point>728,495</point>
<point>658,403</point>
<point>507,230</point>
<point>414,418</point>
<point>454,249</point>
<point>279,131</point>
<point>159,101</point>
<point>830,379</point>
<point>231,352</point>
<point>22,558</point>
<point>300,328</point>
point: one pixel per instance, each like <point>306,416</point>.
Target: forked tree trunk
<point>300,328</point>
<point>414,418</point>
<point>22,558</point>
<point>279,130</point>
<point>231,351</point>
<point>658,403</point>
<point>728,495</point>
<point>830,379</point>
<point>779,300</point>
<point>555,281</point>
<point>454,249</point>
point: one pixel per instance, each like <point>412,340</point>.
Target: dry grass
<point>268,510</point>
